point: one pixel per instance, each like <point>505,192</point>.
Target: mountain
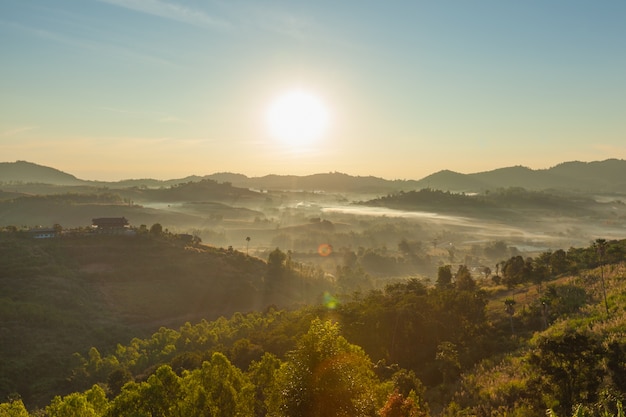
<point>450,180</point>
<point>598,176</point>
<point>332,182</point>
<point>27,172</point>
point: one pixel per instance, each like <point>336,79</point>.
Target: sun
<point>297,118</point>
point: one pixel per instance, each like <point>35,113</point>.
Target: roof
<point>110,222</point>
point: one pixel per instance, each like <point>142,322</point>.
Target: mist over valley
<point>234,263</point>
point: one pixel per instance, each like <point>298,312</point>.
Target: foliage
<point>446,345</point>
<point>325,376</point>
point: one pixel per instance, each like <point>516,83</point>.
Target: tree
<point>558,262</point>
<point>569,362</point>
<point>157,397</point>
<point>509,307</point>
<point>13,408</point>
<point>514,271</point>
<point>156,229</point>
<point>325,376</point>
<point>247,244</point>
<point>496,250</point>
<point>405,248</point>
<point>218,389</point>
<point>276,265</point>
<point>463,279</point>
<point>447,358</point>
<point>600,246</point>
<point>399,405</point>
<point>444,276</point>
<point>91,403</point>
<point>263,376</point>
<point>117,379</point>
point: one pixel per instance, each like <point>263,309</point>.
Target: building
<point>43,233</point>
<point>110,225</point>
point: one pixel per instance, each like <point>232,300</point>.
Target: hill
<point>60,296</point>
<point>598,176</point>
<point>27,172</point>
<point>466,346</point>
<point>507,204</point>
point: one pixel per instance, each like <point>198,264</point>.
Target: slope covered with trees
<point>59,296</point>
<point>458,347</point>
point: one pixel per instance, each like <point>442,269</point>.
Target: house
<point>110,225</point>
<point>42,233</point>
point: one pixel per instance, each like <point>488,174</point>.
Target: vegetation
<point>294,310</point>
<point>458,347</point>
<point>497,203</point>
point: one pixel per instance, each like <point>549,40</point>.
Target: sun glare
<point>297,118</point>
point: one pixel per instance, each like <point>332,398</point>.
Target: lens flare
<point>330,301</point>
<point>324,249</point>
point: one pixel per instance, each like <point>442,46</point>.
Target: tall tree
<point>463,280</point>
<point>444,276</point>
<point>326,376</point>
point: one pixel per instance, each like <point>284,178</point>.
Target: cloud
<point>95,46</point>
<point>156,116</point>
<point>286,24</point>
<point>172,11</point>
<point>172,119</point>
<point>16,131</point>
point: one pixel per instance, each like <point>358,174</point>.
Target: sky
<point>119,89</point>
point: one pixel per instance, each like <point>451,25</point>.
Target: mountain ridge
<point>597,176</point>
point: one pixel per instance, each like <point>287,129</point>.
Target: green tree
<point>117,379</point>
<point>157,397</point>
<point>568,363</point>
<point>218,389</point>
<point>326,376</point>
<point>91,403</point>
<point>13,408</point>
<point>262,374</point>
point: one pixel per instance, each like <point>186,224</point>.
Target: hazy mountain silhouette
<point>605,176</point>
<point>27,172</point>
<point>334,181</point>
<point>598,176</point>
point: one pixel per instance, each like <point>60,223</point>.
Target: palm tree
<point>510,310</point>
<point>600,245</point>
<point>247,243</point>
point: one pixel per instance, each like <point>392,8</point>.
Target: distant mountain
<point>599,176</point>
<point>450,180</point>
<point>27,172</point>
<point>333,182</point>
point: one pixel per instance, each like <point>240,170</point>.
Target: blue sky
<point>112,89</point>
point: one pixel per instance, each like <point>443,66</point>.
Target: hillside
<point>510,204</point>
<point>464,346</point>
<point>60,296</point>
